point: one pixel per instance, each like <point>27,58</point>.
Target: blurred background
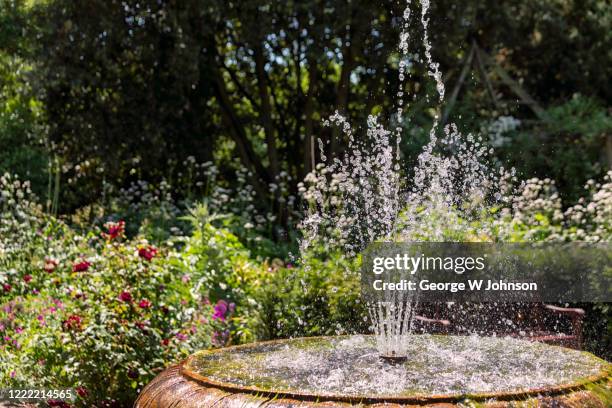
<point>97,95</point>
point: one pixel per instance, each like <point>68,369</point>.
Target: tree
<point>131,88</point>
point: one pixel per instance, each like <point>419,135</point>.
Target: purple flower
<point>220,338</point>
<point>220,310</point>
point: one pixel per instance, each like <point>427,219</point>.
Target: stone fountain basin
<point>347,370</point>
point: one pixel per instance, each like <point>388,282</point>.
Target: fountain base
<point>341,371</point>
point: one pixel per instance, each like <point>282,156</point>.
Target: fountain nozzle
<point>393,358</point>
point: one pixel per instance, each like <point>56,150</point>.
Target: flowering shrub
<point>95,311</point>
<point>156,210</point>
<point>220,267</point>
<point>537,214</point>
<point>104,313</point>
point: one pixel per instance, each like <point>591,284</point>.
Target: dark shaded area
<point>129,89</point>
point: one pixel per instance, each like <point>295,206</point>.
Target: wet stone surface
<point>436,365</point>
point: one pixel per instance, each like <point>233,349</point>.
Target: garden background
<point>156,158</point>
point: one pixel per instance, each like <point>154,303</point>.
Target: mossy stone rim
<point>604,376</point>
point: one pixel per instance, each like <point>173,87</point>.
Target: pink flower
<point>19,330</point>
<point>27,278</point>
<point>181,336</point>
<point>125,296</point>
<point>144,304</point>
<point>81,266</point>
<point>147,253</point>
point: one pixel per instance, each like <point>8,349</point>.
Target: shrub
<point>94,311</point>
<point>319,297</point>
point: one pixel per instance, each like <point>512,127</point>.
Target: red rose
<point>114,230</point>
<point>165,342</point>
<point>6,287</point>
<point>50,265</point>
<point>74,322</point>
<point>147,253</point>
<point>27,278</point>
<point>82,391</point>
<point>125,296</point>
<point>144,304</point>
<point>81,266</point>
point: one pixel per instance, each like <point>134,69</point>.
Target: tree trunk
<point>266,111</point>
<point>309,137</point>
<point>245,149</point>
<point>344,83</point>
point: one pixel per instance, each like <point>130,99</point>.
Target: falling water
<point>361,197</point>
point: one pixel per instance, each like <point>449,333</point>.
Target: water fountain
<point>334,371</point>
<point>393,365</point>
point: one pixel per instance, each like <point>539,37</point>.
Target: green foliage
<point>130,90</point>
<point>220,267</point>
<point>94,311</point>
<point>23,151</point>
<point>570,147</point>
<point>319,297</point>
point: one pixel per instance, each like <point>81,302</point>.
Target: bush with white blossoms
<point>156,209</point>
<point>537,213</point>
